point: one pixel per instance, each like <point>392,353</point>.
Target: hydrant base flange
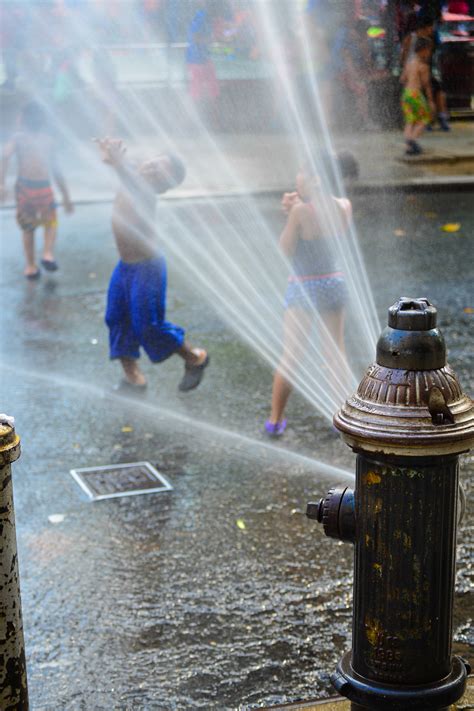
<point>371,695</point>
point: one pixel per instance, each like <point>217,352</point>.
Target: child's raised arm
<point>290,232</point>
<point>112,151</point>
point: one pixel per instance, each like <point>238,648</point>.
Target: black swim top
<point>314,257</point>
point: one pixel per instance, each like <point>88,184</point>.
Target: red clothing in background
<point>457,7</point>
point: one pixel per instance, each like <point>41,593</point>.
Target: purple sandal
<point>275,429</point>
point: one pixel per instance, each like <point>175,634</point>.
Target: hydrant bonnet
<point>410,398</point>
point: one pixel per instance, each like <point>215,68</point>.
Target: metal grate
<point>114,480</point>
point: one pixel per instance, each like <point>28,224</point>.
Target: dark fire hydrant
<point>408,423</point>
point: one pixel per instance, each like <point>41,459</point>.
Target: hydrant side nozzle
<point>336,512</point>
<point>314,510</point>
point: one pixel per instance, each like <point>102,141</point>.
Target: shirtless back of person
<point>133,224</point>
<point>34,154</point>
<point>133,217</point>
<point>313,221</point>
<point>416,75</point>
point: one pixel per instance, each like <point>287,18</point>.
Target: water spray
<point>408,423</point>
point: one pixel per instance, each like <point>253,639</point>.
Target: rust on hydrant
<point>408,423</point>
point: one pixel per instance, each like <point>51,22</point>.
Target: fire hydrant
<point>13,684</point>
<point>408,423</point>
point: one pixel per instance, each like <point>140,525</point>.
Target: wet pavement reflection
<point>219,594</point>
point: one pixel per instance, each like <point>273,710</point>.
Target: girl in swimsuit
<point>316,282</point>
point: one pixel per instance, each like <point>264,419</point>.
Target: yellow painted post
<point>13,683</point>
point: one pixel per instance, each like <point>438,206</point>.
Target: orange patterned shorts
<point>35,206</point>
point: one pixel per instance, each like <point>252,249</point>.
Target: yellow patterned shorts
<point>415,107</point>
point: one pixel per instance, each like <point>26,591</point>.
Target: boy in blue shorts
<point>136,300</point>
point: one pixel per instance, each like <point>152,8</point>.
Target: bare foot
<point>32,272</point>
<point>199,356</point>
<point>133,374</point>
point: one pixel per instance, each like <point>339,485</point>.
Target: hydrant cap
<point>409,402</point>
<point>411,341</point>
<point>412,315</point>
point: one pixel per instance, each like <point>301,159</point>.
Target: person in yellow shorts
<point>33,147</point>
<point>417,96</point>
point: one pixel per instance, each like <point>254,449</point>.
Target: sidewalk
<point>224,165</point>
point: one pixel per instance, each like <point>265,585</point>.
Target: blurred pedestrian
<point>417,98</point>
<point>355,67</point>
<point>314,73</point>
<point>457,7</point>
<point>107,93</point>
<point>437,86</point>
<point>203,83</point>
<point>33,147</point>
<point>427,27</point>
<point>13,36</point>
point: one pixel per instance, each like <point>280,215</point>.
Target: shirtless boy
<point>136,300</point>
<point>33,148</point>
<point>417,97</point>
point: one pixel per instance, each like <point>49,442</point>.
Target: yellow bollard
<point>13,683</point>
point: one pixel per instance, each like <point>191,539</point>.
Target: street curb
<point>445,184</point>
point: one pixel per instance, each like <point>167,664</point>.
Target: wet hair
<point>33,116</point>
<point>178,169</point>
<point>348,164</point>
<point>422,43</point>
<point>327,166</point>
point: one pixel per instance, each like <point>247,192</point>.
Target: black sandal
<point>193,375</point>
<point>50,265</point>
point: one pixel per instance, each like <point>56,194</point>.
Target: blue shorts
<point>326,293</point>
<point>136,303</point>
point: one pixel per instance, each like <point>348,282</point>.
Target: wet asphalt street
<point>219,594</point>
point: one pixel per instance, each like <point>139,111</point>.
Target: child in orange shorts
<point>35,205</point>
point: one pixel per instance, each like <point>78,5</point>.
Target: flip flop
<point>125,387</point>
<point>33,277</point>
<point>50,265</point>
<point>192,376</point>
<point>275,429</point>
